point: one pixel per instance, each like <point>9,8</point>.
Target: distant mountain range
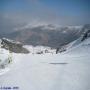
<point>47,35</point>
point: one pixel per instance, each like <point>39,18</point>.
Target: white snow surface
<point>66,71</point>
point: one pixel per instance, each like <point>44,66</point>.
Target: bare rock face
<point>13,46</point>
<point>85,35</point>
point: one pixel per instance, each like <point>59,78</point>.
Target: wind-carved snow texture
<point>66,71</point>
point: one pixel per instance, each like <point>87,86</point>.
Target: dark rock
<point>13,46</point>
<point>85,35</point>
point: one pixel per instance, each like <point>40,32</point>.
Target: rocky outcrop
<point>85,35</point>
<point>13,46</point>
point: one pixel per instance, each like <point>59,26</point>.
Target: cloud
<point>34,12</point>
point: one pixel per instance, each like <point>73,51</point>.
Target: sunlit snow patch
<point>3,71</point>
<point>5,61</point>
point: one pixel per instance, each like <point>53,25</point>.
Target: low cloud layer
<point>19,12</point>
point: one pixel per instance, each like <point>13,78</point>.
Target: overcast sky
<point>63,12</point>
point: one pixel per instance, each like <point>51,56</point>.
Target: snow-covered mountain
<point>63,71</point>
<point>85,35</point>
<point>46,34</point>
<point>13,46</point>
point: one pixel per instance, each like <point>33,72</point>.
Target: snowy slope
<point>66,71</point>
<point>84,39</point>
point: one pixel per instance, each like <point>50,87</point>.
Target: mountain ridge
<point>47,35</point>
